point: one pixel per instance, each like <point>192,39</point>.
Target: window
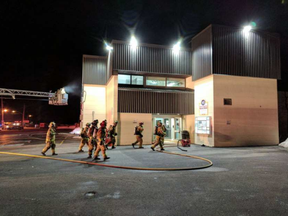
<point>175,82</point>
<point>227,101</point>
<point>137,80</point>
<point>124,79</point>
<point>155,81</point>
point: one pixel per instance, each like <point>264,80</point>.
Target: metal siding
<point>202,54</point>
<point>144,101</point>
<point>151,59</point>
<point>257,55</point>
<point>94,71</point>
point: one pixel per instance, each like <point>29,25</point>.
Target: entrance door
<point>155,124</point>
<point>177,129</point>
<point>167,124</point>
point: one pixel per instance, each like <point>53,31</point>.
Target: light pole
<point>2,112</point>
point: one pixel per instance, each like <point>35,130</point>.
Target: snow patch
<point>76,131</point>
<point>284,144</point>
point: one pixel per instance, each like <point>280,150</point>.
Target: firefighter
<point>101,135</point>
<point>50,139</point>
<point>139,137</point>
<point>159,136</point>
<point>91,134</point>
<point>111,134</point>
<point>163,128</point>
<point>84,137</point>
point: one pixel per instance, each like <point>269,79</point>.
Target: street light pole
<point>23,116</point>
<point>2,113</point>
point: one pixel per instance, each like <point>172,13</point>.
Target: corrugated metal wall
<point>145,101</point>
<point>202,54</point>
<point>255,55</point>
<point>94,70</point>
<point>151,59</point>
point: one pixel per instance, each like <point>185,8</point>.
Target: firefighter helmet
<point>52,124</point>
<point>103,123</point>
<point>95,122</point>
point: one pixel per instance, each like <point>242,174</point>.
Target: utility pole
<point>2,113</point>
<point>23,116</point>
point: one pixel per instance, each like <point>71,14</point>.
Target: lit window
<point>175,82</point>
<point>137,80</point>
<point>124,79</point>
<point>155,81</point>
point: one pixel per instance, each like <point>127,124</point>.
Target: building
<point>223,90</point>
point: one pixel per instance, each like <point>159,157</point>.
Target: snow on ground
<point>76,131</point>
<point>284,144</point>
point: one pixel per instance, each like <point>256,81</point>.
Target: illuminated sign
<point>203,107</point>
<point>202,125</point>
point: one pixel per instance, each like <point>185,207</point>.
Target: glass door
<point>177,129</point>
<point>167,124</point>
<point>155,124</point>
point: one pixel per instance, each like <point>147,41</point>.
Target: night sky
<point>44,40</point>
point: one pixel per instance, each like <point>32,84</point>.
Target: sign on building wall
<point>203,107</point>
<point>202,125</point>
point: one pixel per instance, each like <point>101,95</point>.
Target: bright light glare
<point>63,91</point>
<point>13,111</point>
<point>176,47</point>
<point>108,47</point>
<point>133,42</point>
<point>247,29</point>
<point>5,110</point>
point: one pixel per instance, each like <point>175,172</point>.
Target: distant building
<point>223,90</point>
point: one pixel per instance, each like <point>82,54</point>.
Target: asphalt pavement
<point>242,181</point>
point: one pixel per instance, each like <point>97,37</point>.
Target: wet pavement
<point>242,181</point>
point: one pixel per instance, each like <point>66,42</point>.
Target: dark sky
<point>44,40</point>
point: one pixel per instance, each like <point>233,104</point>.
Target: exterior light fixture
<point>13,111</point>
<point>133,42</point>
<point>247,29</point>
<point>176,47</point>
<point>108,47</point>
<point>5,110</point>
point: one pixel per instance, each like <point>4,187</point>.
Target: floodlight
<point>176,47</point>
<point>247,29</point>
<point>108,47</point>
<point>133,42</point>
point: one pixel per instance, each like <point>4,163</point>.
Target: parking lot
<point>242,181</point>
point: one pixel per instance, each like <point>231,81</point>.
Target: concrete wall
<point>204,90</point>
<point>94,101</point>
<point>253,117</point>
<point>127,124</point>
<point>111,99</point>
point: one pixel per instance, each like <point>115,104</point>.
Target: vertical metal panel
<point>145,101</point>
<point>202,54</point>
<point>256,54</point>
<point>94,70</point>
<point>151,59</point>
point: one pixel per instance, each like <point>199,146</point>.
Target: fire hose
<point>210,163</point>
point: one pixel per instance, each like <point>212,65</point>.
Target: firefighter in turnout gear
<point>111,134</point>
<point>160,133</point>
<point>92,139</point>
<point>50,139</point>
<point>84,137</point>
<point>101,135</point>
<point>139,137</point>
